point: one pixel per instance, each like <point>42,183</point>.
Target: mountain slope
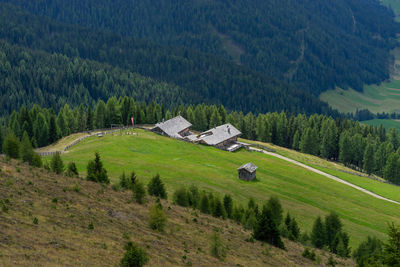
<point>201,77</point>
<point>317,45</point>
<point>65,206</point>
<point>303,193</point>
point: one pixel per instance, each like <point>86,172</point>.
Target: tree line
<point>361,147</point>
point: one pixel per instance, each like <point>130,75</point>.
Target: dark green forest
<point>316,45</point>
<point>362,147</point>
<point>192,77</point>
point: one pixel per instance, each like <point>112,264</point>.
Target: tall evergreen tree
<point>318,237</point>
<point>228,205</point>
<point>11,146</point>
<point>156,187</point>
<point>96,172</point>
<point>267,230</point>
<point>369,163</point>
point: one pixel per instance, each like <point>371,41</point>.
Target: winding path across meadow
<point>325,174</point>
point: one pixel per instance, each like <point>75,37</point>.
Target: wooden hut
<point>247,171</point>
<point>176,127</point>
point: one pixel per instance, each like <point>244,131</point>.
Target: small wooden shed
<point>247,171</point>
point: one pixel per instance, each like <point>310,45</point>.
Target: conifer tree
<point>267,230</point>
<point>204,204</point>
<point>156,187</point>
<point>56,164</point>
<point>218,210</point>
<point>318,238</point>
<point>392,247</point>
<point>228,205</point>
<point>139,192</point>
<point>53,133</point>
<point>11,146</point>
<point>274,205</point>
<point>333,226</point>
<point>96,171</point>
<point>369,163</point>
<point>72,171</point>
<point>26,150</point>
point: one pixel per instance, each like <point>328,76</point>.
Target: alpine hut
<point>223,137</point>
<point>176,127</point>
<point>247,171</point>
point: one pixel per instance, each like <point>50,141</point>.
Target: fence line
<point>90,134</point>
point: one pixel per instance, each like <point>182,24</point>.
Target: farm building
<point>247,171</point>
<point>223,137</point>
<point>176,127</point>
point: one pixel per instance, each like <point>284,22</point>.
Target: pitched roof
<point>250,167</point>
<point>173,126</point>
<point>219,134</point>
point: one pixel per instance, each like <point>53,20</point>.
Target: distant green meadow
<point>387,124</point>
<point>304,194</point>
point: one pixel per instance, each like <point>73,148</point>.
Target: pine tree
<point>392,168</point>
<point>96,172</point>
<point>11,146</point>
<point>318,238</point>
<point>215,119</point>
<point>369,163</point>
<point>274,205</point>
<point>26,150</point>
<point>134,256</point>
<point>139,192</point>
<point>204,204</point>
<point>218,210</point>
<point>72,171</point>
<point>90,119</point>
<point>228,205</point>
<point>53,133</point>
<point>56,164</point>
<point>267,230</point>
<point>156,187</point>
<point>328,139</point>
<point>333,226</point>
<point>309,142</point>
<point>392,247</point>
<point>345,149</point>
<point>294,230</point>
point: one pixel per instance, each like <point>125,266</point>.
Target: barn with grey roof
<point>176,127</point>
<point>223,137</point>
<point>247,171</point>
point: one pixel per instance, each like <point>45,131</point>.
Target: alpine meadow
<point>199,133</point>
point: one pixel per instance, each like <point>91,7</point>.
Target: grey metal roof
<point>250,167</point>
<point>173,126</point>
<point>219,134</point>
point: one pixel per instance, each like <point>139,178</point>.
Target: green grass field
<point>395,5</point>
<point>387,124</point>
<point>377,98</point>
<point>305,194</point>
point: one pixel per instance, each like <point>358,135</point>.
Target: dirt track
<point>325,174</point>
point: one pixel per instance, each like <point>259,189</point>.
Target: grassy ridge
<point>305,194</point>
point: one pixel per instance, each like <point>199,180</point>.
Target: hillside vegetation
<point>50,63</point>
<point>303,193</point>
<point>63,221</point>
<point>317,45</point>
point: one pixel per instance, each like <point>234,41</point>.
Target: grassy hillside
<point>64,208</point>
<point>385,123</point>
<point>302,192</point>
<point>344,173</point>
<point>383,97</point>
